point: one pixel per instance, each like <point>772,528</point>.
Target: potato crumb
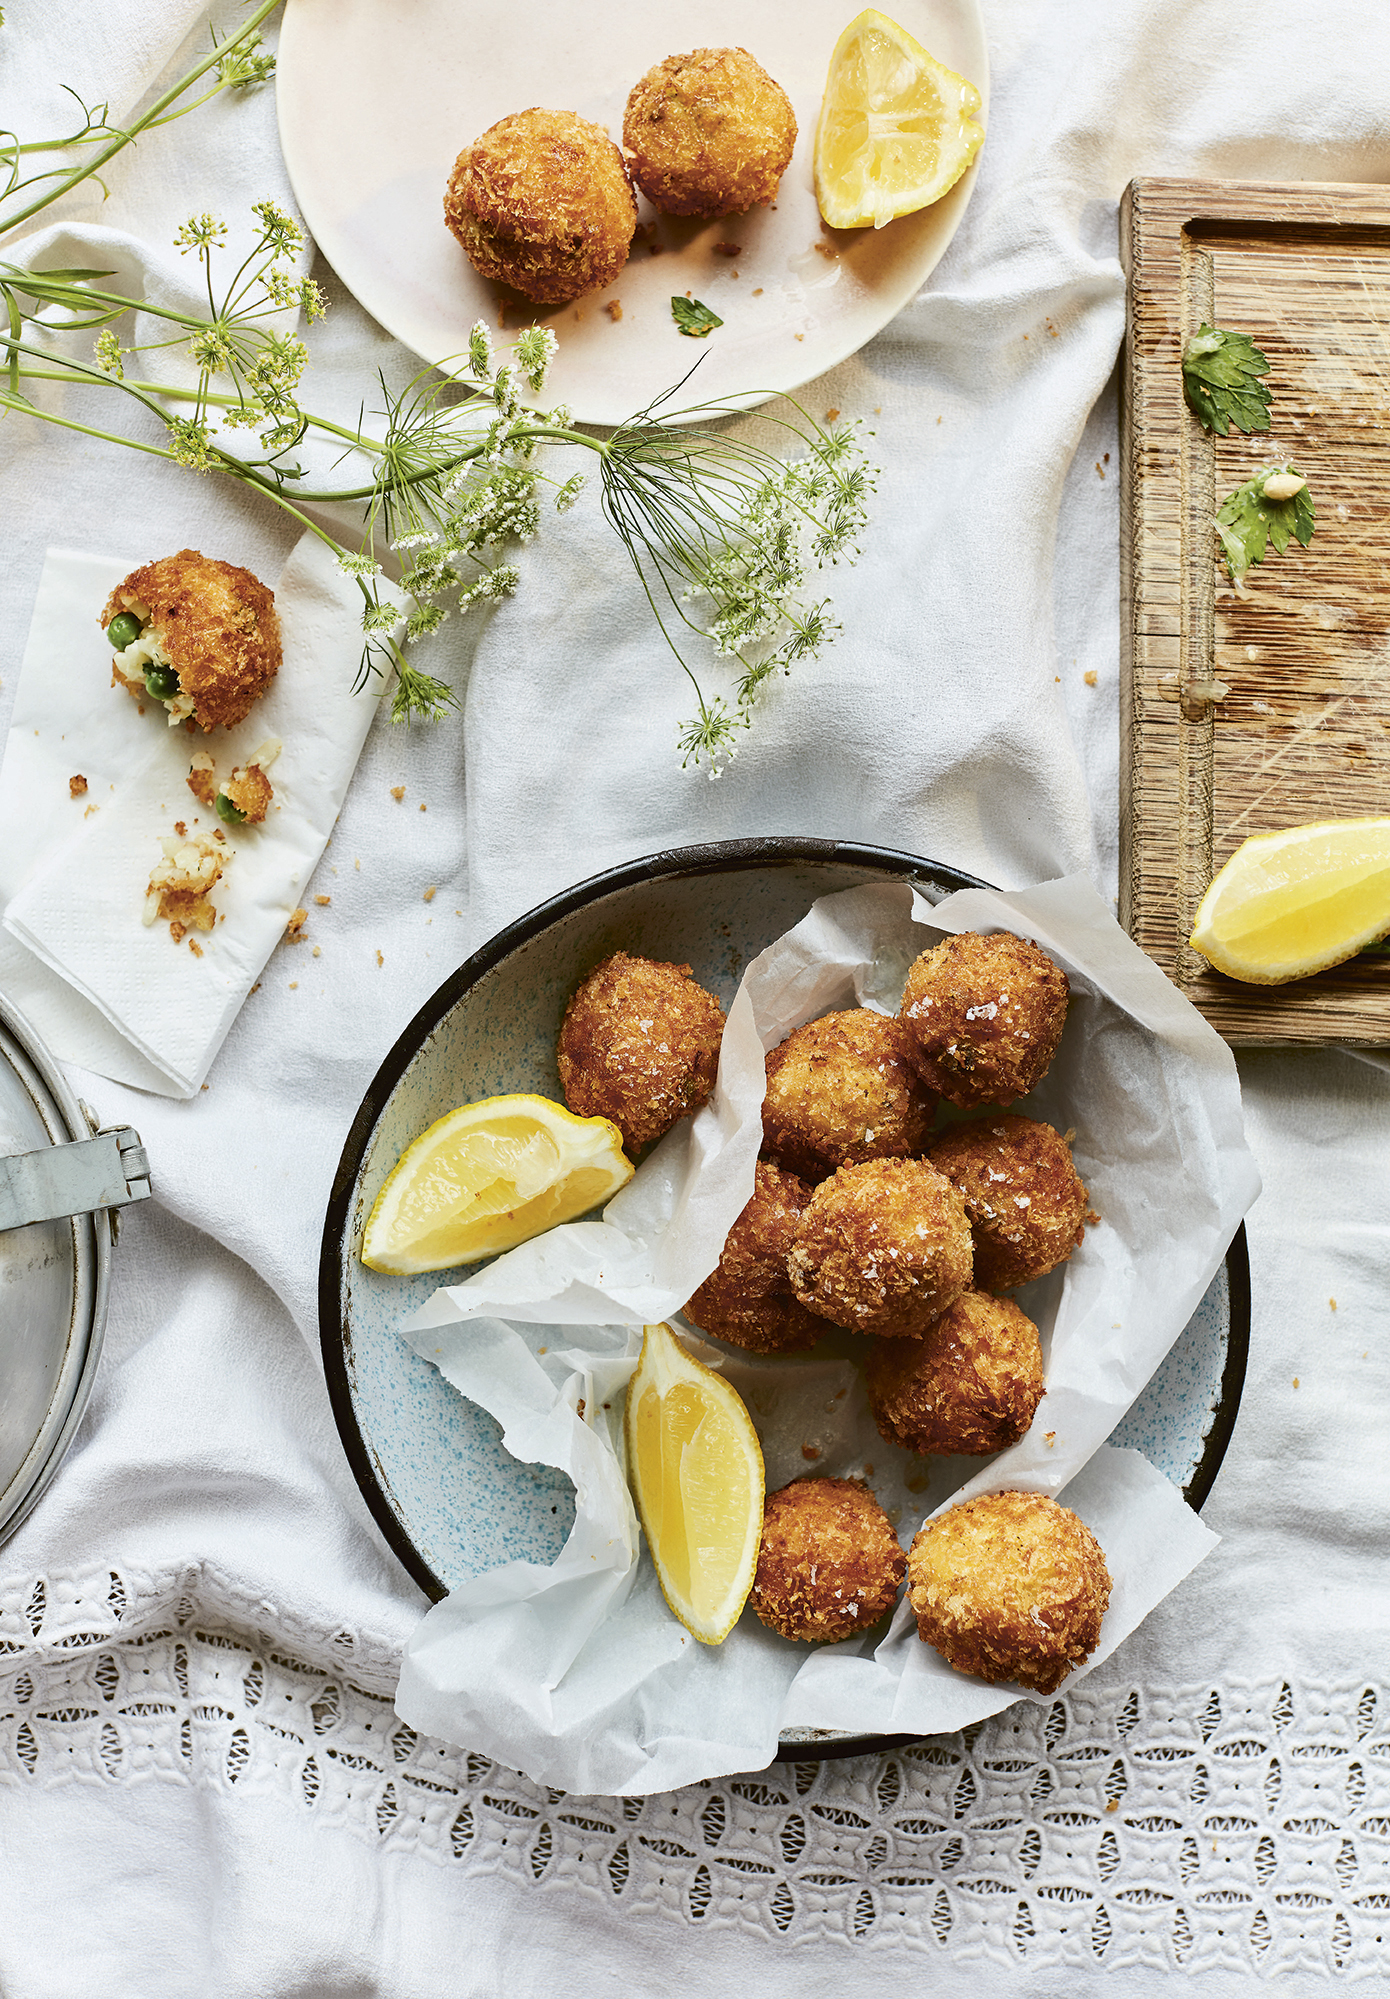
<point>1100,469</point>
<point>1090,677</point>
<point>90,810</point>
<point>177,932</point>
<point>832,416</point>
<point>614,309</point>
<point>77,784</point>
<point>219,835</point>
<point>728,249</point>
<point>195,947</point>
<point>380,960</point>
<point>1295,1381</point>
<point>255,989</point>
<point>180,885</point>
<point>323,900</point>
<point>294,985</point>
<point>1332,1302</point>
<point>248,789</point>
<point>1112,1804</point>
<point>202,778</point>
<point>758,292</point>
<point>424,807</point>
<point>429,897</point>
<point>398,793</point>
<point>810,1452</point>
<point>294,929</point>
<point>181,829</point>
<point>318,952</point>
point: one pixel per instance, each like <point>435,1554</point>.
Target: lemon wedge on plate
<point>896,126</point>
<point>696,1470</point>
<point>488,1176</point>
<point>1295,902</point>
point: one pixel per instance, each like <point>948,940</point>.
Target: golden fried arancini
<point>841,1090</point>
<point>201,636</point>
<point>830,1564</point>
<point>1022,1193</point>
<point>748,1299</point>
<point>984,1016</point>
<point>708,133</point>
<point>883,1247</point>
<point>543,202</point>
<point>1009,1587</point>
<point>639,1044</point>
<point>970,1385</point>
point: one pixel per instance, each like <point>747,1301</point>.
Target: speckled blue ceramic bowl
<point>431,1466</point>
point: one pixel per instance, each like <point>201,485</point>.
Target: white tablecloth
<point>203,1787</point>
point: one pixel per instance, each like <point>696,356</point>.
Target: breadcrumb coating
<point>1011,1586</point>
<point>708,133</point>
<point>748,1299</point>
<point>984,1016</point>
<point>542,202</point>
<point>841,1090</point>
<point>830,1564</point>
<point>1025,1200</point>
<point>216,623</point>
<point>883,1247</point>
<point>970,1385</point>
<point>639,1044</point>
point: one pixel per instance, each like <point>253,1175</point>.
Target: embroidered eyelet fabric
<point>1245,1829</point>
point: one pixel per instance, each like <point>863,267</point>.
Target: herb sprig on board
<point>1221,381</point>
<point>1268,511</point>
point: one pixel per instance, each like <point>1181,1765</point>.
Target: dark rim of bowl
<point>672,863</point>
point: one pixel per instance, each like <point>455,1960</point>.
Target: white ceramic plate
<point>378,97</point>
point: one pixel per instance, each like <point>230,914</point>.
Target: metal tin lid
<point>54,1277</point>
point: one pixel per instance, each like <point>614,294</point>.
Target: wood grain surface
<point>1245,712</point>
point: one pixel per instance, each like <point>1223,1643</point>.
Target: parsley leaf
<point>693,318</point>
<point>1221,381</point>
<point>1252,519</point>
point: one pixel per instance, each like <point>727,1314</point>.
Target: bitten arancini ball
<point>708,133</point>
<point>883,1247</point>
<point>1026,1203</point>
<point>748,1298</point>
<point>543,202</point>
<point>841,1090</point>
<point>830,1564</point>
<point>639,1044</point>
<point>971,1385</point>
<point>199,635</point>
<point>984,1016</point>
<point>1010,1587</point>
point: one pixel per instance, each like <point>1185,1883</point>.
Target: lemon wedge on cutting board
<point>1295,902</point>
<point>487,1177</point>
<point>696,1469</point>
<point>896,128</point>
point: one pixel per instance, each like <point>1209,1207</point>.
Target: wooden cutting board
<point>1242,714</point>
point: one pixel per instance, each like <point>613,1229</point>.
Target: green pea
<point>162,682</point>
<point>229,814</point>
<point>123,630</point>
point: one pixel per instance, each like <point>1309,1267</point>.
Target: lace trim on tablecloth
<point>1246,1829</point>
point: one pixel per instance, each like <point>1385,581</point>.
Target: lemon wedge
<point>488,1176</point>
<point>696,1470</point>
<point>1295,902</point>
<point>896,126</point>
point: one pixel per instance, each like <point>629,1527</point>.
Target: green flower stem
<point>151,118</point>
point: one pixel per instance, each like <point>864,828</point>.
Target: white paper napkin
<point>104,989</point>
<point>1153,1096</point>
